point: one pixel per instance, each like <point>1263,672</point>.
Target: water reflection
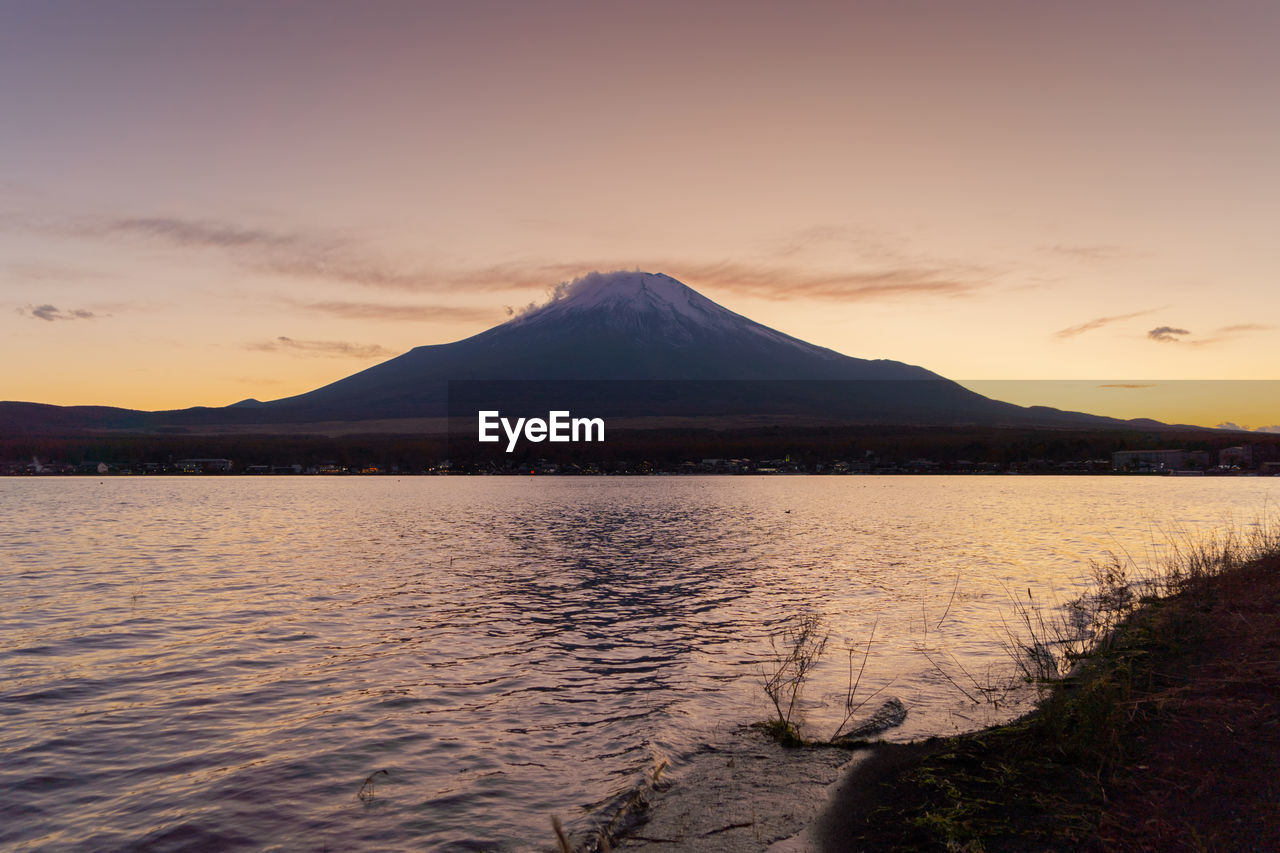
<point>222,663</point>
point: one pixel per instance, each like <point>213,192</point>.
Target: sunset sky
<point>202,202</point>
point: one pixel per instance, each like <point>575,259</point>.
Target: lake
<point>222,663</point>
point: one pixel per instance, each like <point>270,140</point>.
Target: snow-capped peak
<point>661,305</point>
<point>633,291</point>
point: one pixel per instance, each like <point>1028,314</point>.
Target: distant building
<point>1248,455</point>
<point>1236,457</point>
<point>202,466</point>
<point>1158,460</point>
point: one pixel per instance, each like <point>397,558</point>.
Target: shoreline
<point>1166,738</point>
<point>1165,732</point>
<point>749,794</point>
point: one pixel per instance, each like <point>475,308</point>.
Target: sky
<point>205,202</point>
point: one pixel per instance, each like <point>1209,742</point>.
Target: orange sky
<point>201,203</point>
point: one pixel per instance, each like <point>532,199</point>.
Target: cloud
<point>330,349</point>
<point>1166,334</point>
<point>319,256</point>
<point>200,233</point>
<point>807,238</point>
<point>1128,385</point>
<point>1095,253</point>
<point>296,254</point>
<point>767,282</point>
<point>293,253</point>
<point>866,242</point>
<point>1274,428</point>
<point>52,273</point>
<point>846,286</point>
<point>1097,323</point>
<point>1245,327</point>
<point>381,311</point>
<point>1226,333</point>
<point>50,313</point>
<point>346,268</point>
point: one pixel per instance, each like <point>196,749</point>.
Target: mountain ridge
<point>600,331</point>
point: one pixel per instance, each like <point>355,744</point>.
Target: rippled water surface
<point>221,663</point>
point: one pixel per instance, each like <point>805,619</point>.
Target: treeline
<point>1003,447</point>
<point>661,448</point>
<point>407,452</point>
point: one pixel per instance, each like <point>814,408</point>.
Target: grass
<point>368,789</point>
<point>1155,727</point>
<point>796,651</point>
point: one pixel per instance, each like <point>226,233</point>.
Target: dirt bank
<point>1169,739</point>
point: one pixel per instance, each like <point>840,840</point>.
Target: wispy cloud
<point>200,233</point>
<point>51,273</point>
<point>1220,335</point>
<point>1093,253</point>
<point>767,282</point>
<point>51,313</point>
<point>1167,334</point>
<point>296,253</point>
<point>318,256</point>
<point>407,313</point>
<point>843,286</point>
<point>1245,327</point>
<point>345,266</point>
<point>1097,323</point>
<point>331,349</point>
<point>328,257</point>
<point>867,243</point>
<point>805,239</point>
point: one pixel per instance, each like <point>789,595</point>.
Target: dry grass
<point>1156,729</point>
<point>1047,643</point>
<point>796,650</point>
<point>368,790</point>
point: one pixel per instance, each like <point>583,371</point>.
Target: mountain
<point>629,343</point>
<point>601,328</point>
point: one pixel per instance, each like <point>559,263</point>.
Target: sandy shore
<point>751,795</point>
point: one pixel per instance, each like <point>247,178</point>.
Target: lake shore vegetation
<point>1156,729</point>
